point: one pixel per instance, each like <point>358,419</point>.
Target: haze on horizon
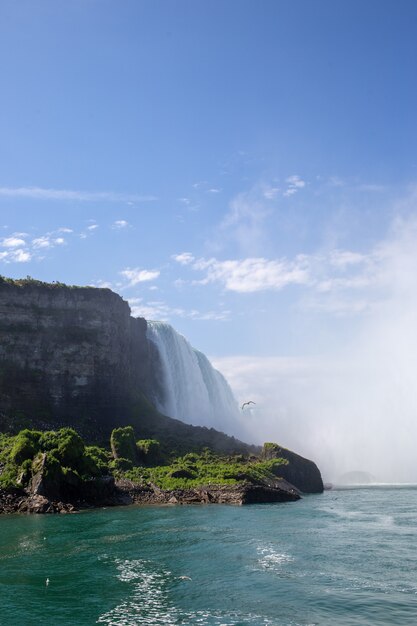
<point>246,172</point>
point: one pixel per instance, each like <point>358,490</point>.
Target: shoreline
<point>125,493</point>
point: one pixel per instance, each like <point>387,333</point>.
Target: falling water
<point>193,390</point>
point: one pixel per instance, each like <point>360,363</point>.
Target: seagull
<point>246,403</point>
<point>47,582</point>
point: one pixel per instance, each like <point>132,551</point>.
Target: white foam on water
<point>270,558</point>
<point>149,602</point>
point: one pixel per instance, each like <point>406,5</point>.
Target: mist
<point>352,405</point>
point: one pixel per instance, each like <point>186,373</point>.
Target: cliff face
<point>74,356</point>
<point>69,353</point>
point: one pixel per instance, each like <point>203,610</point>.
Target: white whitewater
<point>194,391</point>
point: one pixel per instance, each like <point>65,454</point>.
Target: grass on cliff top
<point>33,282</point>
<point>197,470</point>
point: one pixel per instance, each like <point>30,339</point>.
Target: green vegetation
<point>149,451</point>
<point>29,281</point>
<point>59,454</point>
<point>123,445</point>
<point>194,470</point>
<point>62,458</point>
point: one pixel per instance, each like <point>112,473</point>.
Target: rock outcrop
<point>241,493</point>
<point>298,471</point>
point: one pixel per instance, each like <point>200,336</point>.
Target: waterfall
<point>194,391</point>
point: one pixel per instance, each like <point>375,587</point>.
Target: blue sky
<point>244,170</point>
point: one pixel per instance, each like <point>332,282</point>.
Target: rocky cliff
<point>75,356</point>
<point>69,353</point>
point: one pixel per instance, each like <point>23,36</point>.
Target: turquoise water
<point>345,557</point>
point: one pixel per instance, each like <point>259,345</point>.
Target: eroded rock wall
<point>69,353</point>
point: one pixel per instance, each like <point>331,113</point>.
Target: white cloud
<point>159,310</point>
<point>42,242</point>
<point>289,192</point>
<point>64,229</point>
<point>295,183</point>
<point>13,242</point>
<point>336,281</point>
<point>68,194</point>
<point>47,241</point>
<point>103,284</point>
<point>92,227</point>
<point>137,275</point>
<point>185,258</point>
<point>20,256</point>
<point>120,224</point>
<point>253,274</point>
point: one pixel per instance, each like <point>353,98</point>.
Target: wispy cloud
<point>103,284</point>
<point>244,221</point>
<point>16,256</point>
<point>294,184</point>
<point>15,241</point>
<point>47,241</point>
<point>253,274</point>
<point>119,224</point>
<point>185,258</point>
<point>337,281</point>
<point>41,193</point>
<point>159,310</point>
<point>270,192</point>
<point>137,275</point>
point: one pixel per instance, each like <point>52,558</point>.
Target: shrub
<point>66,444</point>
<point>25,446</point>
<point>121,465</point>
<point>149,451</point>
<point>123,444</point>
<point>96,461</point>
<point>70,447</point>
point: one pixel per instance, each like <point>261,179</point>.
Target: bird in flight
<point>247,403</point>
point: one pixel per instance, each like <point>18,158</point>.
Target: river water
<point>345,557</point>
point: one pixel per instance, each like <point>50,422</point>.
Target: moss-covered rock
<point>123,444</point>
<point>25,446</point>
<point>149,451</point>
